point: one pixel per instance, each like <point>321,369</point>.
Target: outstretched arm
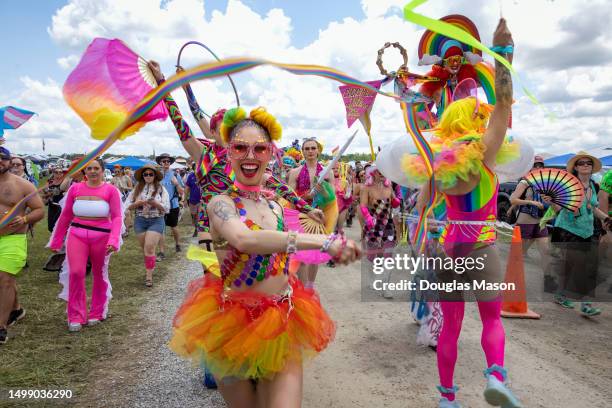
<point>498,123</point>
<point>194,107</point>
<point>193,147</point>
<point>224,221</point>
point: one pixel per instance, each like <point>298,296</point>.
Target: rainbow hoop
<point>178,64</point>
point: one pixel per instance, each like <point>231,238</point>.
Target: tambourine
<point>402,51</point>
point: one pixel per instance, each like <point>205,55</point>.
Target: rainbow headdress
<point>434,46</point>
<point>107,84</point>
<point>249,335</point>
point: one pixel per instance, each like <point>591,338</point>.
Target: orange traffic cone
<point>515,301</point>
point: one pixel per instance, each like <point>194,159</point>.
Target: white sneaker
<point>74,327</point>
<point>93,322</point>
<point>445,403</point>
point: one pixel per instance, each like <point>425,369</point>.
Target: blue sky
<point>554,56</point>
<point>32,52</point>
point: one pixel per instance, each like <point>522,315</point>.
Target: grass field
<point>41,353</point>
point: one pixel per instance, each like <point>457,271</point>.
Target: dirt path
<point>562,360</point>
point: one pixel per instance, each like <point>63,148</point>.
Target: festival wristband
<point>292,242</point>
<point>327,243</point>
<point>508,49</point>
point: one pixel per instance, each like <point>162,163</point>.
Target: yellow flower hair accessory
<point>266,120</point>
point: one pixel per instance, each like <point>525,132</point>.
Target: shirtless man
<point>302,179</point>
<point>13,242</point>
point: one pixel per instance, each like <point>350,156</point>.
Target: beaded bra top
<point>240,269</point>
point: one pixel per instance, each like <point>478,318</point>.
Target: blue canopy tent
<point>133,162</point>
<point>606,161</point>
<point>558,161</point>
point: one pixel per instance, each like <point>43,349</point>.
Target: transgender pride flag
<point>12,117</point>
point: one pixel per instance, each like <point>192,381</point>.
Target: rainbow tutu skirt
<point>249,335</point>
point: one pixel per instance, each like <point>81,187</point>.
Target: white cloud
<point>312,106</point>
<point>68,62</point>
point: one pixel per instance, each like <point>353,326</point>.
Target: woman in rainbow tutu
<point>254,327</point>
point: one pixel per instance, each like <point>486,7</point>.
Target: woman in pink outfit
<point>92,217</point>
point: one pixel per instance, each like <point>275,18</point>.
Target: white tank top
<point>90,208</point>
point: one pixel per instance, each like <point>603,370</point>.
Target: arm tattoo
<point>224,211</point>
<point>503,83</point>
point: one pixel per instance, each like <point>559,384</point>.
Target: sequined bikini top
<point>240,269</point>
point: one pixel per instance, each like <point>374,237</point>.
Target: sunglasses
<point>584,163</point>
<point>538,165</point>
<point>148,174</point>
<point>5,158</point>
<point>240,150</point>
<point>456,59</point>
<point>165,161</point>
<point>17,165</point>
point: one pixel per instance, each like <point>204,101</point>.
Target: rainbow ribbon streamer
<point>412,127</point>
<point>201,72</point>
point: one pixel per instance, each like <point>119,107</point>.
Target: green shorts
<point>13,253</point>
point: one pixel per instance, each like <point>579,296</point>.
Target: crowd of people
<point>255,316</point>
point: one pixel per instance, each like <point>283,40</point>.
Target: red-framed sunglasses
<point>239,150</point>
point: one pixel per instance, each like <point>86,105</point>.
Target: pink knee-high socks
<point>492,340</point>
<point>149,261</point>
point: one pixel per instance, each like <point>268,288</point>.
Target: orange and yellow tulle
<point>456,160</point>
<point>458,147</point>
<point>249,335</point>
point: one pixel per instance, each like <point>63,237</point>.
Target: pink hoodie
<point>106,192</point>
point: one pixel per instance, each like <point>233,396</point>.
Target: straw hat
<point>158,174</point>
<point>583,155</point>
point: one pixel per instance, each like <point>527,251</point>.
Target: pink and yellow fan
<point>296,221</point>
<point>107,84</point>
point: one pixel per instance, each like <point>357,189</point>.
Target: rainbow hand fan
<point>563,188</point>
<point>107,84</point>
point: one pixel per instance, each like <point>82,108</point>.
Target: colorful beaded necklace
<point>238,268</point>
